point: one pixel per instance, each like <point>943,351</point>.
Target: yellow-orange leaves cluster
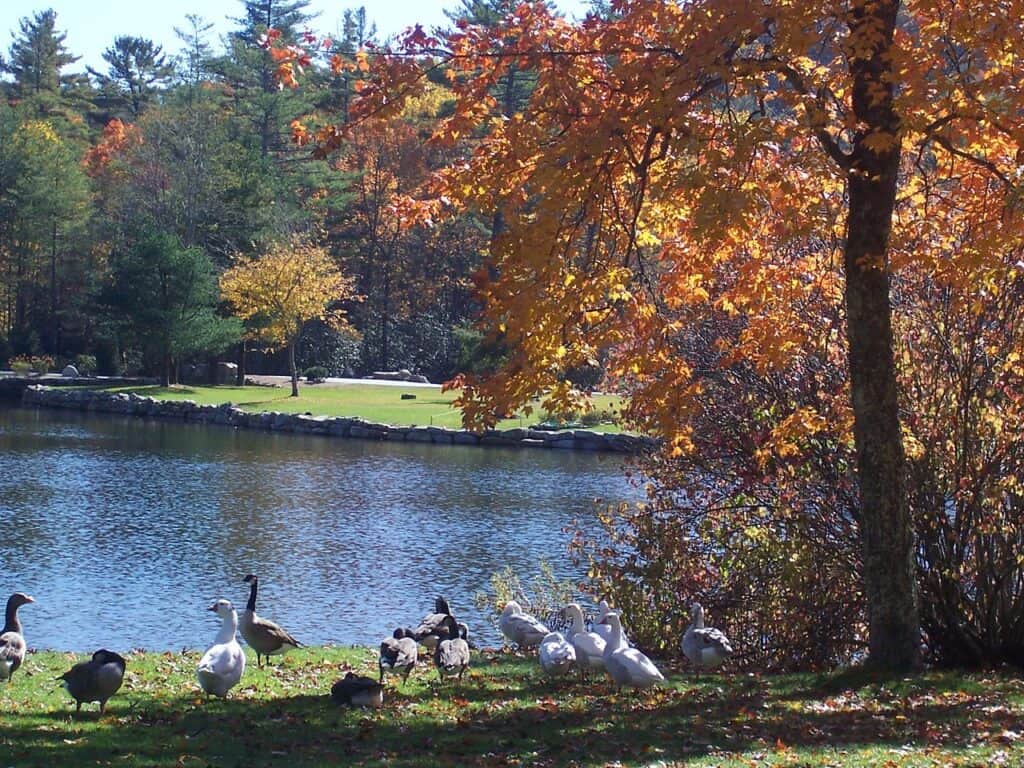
<point>287,286</point>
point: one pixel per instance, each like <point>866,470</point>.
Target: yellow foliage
<point>290,284</point>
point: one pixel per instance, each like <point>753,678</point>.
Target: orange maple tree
<point>775,151</point>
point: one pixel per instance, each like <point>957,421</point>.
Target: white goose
<point>604,631</point>
<point>589,646</point>
<point>556,654</point>
<point>521,628</point>
<point>625,665</point>
<point>222,665</point>
<point>705,647</point>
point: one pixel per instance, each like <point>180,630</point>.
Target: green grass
<point>373,402</point>
<point>506,713</point>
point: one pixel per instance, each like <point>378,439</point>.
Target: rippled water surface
<point>124,530</point>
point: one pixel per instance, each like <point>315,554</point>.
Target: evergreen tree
<point>165,296</point>
<point>37,57</point>
<point>137,68</point>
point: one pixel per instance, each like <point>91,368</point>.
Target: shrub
<point>315,373</point>
<point>86,364</point>
<point>543,596</point>
<point>42,364</point>
<point>21,365</point>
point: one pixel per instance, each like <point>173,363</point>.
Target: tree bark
<point>886,526</point>
<point>291,365</point>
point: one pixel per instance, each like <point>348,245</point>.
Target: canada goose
<point>432,628</point>
<point>625,665</point>
<point>398,654</point>
<point>358,691</point>
<point>12,642</point>
<point>522,629</point>
<point>705,647</point>
<point>95,680</point>
<point>263,636</point>
<point>451,657</point>
<point>222,665</point>
<point>556,654</point>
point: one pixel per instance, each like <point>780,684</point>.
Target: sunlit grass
<point>506,713</point>
<point>382,404</point>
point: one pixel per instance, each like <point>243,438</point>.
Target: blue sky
<point>92,25</point>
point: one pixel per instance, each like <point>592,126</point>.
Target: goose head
<point>511,608</point>
<point>103,656</point>
<point>18,599</point>
<point>441,605</point>
<point>612,620</point>
<point>223,608</point>
<point>251,578</point>
<point>574,615</point>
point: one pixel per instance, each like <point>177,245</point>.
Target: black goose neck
<point>253,586</point>
<point>11,621</point>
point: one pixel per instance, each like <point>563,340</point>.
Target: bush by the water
<point>759,520</point>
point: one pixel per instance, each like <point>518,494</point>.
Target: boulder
<point>227,373</point>
<point>69,372</point>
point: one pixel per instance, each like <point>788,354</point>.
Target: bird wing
<point>712,638</point>
<point>527,628</point>
<point>12,650</point>
<point>223,659</point>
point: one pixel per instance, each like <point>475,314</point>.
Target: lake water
<point>124,530</point>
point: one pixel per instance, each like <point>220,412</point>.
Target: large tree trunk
<point>885,523</point>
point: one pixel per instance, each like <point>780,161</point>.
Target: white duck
<point>705,647</point>
<point>589,646</point>
<point>625,665</point>
<point>604,631</point>
<point>222,665</point>
<point>521,628</point>
<point>556,654</point>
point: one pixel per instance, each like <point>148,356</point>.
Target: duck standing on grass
<point>556,654</point>
<point>522,629</point>
<point>433,628</point>
<point>398,654</point>
<point>263,636</point>
<point>222,665</point>
<point>451,657</point>
<point>95,680</point>
<point>705,647</point>
<point>627,666</point>
<point>12,642</point>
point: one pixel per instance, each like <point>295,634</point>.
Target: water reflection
<point>124,530</point>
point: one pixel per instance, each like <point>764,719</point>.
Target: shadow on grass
<point>504,714</point>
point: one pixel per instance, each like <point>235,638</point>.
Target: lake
<point>124,530</point>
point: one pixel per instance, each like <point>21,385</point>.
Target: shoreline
<point>229,415</point>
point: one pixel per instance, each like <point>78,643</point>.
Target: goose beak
<point>213,607</point>
<point>29,599</point>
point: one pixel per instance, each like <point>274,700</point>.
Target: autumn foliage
<point>282,289</point>
<point>735,205</point>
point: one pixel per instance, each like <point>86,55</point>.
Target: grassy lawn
<point>373,402</point>
<point>506,713</point>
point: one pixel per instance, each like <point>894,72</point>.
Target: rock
<point>69,372</point>
<point>227,373</point>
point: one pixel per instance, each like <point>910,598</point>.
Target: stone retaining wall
<point>228,415</point>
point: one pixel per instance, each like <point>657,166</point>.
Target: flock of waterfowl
<point>604,646</point>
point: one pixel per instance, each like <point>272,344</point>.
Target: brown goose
<point>358,691</point>
<point>95,680</point>
<point>398,654</point>
<point>451,657</point>
<point>433,628</point>
<point>263,636</point>
<point>12,643</point>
